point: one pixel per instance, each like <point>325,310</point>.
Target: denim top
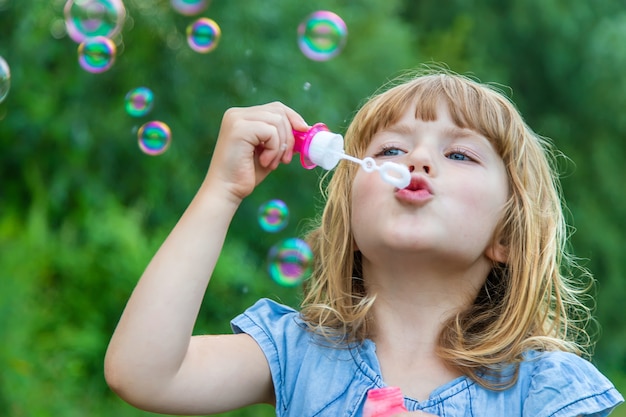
<point>312,378</point>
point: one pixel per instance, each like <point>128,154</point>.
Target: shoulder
<point>267,306</point>
<point>268,320</point>
<point>308,374</point>
<point>564,384</point>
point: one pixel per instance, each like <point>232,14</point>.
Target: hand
<point>252,142</point>
<point>415,414</point>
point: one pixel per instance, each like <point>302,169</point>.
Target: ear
<point>497,252</point>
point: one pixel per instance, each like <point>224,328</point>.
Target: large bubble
<point>290,262</point>
<point>139,101</point>
<point>273,215</point>
<point>322,35</point>
<point>189,7</point>
<point>89,18</point>
<point>96,54</point>
<point>154,137</point>
<point>5,79</point>
<point>203,35</point>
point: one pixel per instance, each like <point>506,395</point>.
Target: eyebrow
<point>399,128</point>
<point>462,133</point>
<point>453,132</point>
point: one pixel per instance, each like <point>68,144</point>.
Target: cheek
<point>483,198</point>
<point>364,204</point>
<point>361,183</point>
<point>358,198</point>
<point>489,203</point>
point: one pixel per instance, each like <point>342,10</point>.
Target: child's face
<point>453,205</point>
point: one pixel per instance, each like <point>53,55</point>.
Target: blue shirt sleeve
<point>565,385</point>
<point>275,328</point>
<point>311,377</point>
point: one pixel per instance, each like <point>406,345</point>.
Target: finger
<point>268,149</point>
<point>282,117</point>
<point>277,146</point>
<point>294,122</point>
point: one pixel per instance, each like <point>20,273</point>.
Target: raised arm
<point>152,361</point>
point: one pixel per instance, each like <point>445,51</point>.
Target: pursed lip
<point>418,190</point>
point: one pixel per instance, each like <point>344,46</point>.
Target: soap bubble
<point>322,35</point>
<point>5,79</point>
<point>154,137</point>
<point>89,18</point>
<point>139,101</point>
<point>96,54</point>
<point>189,7</point>
<point>290,262</point>
<point>203,35</point>
<point>273,216</point>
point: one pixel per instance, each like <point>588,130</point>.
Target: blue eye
<point>390,151</point>
<point>459,155</point>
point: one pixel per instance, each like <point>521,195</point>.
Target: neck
<point>416,296</point>
<point>414,299</point>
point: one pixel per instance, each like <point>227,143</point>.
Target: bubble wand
<point>319,146</point>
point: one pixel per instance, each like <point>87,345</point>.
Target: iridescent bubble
<point>139,101</point>
<point>89,18</point>
<point>203,35</point>
<point>96,54</point>
<point>322,35</point>
<point>58,29</point>
<point>154,137</point>
<point>290,262</point>
<point>5,79</point>
<point>273,216</point>
<point>189,7</point>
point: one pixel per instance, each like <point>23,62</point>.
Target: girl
<point>455,288</point>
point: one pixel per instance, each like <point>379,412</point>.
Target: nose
<point>425,168</point>
<point>421,160</point>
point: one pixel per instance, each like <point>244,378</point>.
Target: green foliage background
<point>82,210</point>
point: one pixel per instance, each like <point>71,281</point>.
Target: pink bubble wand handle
<point>384,402</point>
<point>303,143</point>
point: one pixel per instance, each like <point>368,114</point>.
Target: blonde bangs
<point>475,106</point>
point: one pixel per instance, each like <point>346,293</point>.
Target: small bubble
<point>97,54</point>
<point>5,79</point>
<point>139,101</point>
<point>57,29</point>
<point>189,7</point>
<point>290,262</point>
<point>154,137</point>
<point>174,40</point>
<point>90,18</point>
<point>273,216</point>
<point>322,35</point>
<point>203,35</point>
<point>306,86</point>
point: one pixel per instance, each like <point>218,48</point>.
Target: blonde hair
<point>534,301</point>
